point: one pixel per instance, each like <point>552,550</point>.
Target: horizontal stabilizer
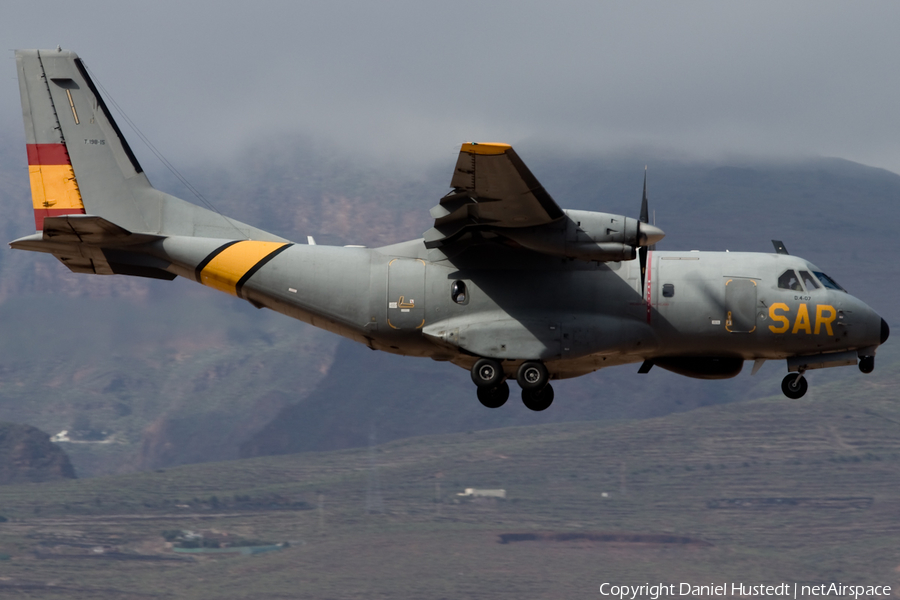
<point>91,244</point>
<point>81,229</point>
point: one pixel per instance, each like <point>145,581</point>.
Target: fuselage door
<point>406,293</point>
<point>740,305</point>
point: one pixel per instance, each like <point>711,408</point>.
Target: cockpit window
<point>790,281</point>
<point>809,281</point>
<point>828,282</point>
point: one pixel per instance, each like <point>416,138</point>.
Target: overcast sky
<point>413,79</point>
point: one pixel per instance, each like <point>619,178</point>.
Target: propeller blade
<point>645,218</point>
<point>645,212</point>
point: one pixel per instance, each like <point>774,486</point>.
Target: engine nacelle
<point>589,236</point>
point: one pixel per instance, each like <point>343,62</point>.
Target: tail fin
<point>69,132</point>
<point>80,163</point>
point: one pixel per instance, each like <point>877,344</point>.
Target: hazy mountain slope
<point>170,381</point>
<point>179,373</point>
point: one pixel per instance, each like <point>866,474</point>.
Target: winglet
<point>484,148</point>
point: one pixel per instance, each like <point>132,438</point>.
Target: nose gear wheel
<point>794,386</point>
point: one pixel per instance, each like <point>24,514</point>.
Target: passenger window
<point>809,281</point>
<point>790,281</point>
<point>459,293</point>
<point>668,290</point>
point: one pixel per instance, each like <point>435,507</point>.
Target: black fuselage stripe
<point>240,284</point>
<point>211,256</point>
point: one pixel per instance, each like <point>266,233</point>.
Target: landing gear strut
<point>794,386</point>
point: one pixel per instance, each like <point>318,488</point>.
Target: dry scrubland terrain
<point>762,491</point>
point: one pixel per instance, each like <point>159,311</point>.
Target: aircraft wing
<point>492,189</point>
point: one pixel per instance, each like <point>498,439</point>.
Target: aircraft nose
<point>650,234</point>
<point>885,331</point>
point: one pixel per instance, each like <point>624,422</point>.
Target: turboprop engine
<point>590,236</point>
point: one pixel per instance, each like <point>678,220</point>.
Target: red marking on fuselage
<point>649,306</point>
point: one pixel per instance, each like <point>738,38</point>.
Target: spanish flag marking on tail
<point>54,190</point>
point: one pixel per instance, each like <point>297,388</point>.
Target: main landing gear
<point>493,391</point>
<point>494,397</point>
<point>539,399</point>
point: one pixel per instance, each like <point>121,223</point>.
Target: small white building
<point>62,436</point>
<point>475,493</point>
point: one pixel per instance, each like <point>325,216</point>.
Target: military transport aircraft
<point>506,284</point>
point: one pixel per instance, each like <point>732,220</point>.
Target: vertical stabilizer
<point>80,162</point>
<point>69,132</point>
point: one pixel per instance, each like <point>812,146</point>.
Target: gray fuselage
<point>573,315</point>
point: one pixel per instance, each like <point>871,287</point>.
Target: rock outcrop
<point>27,455</point>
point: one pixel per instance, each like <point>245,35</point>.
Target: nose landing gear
<point>493,391</point>
<point>867,364</point>
<point>794,386</point>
